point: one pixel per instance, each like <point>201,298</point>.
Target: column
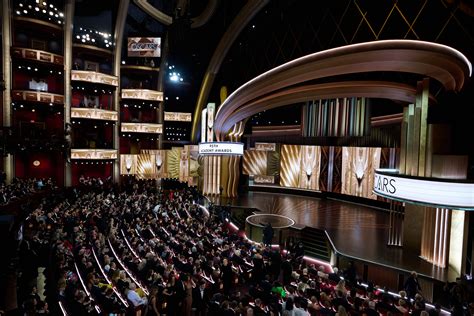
<point>68,28</point>
<point>8,160</point>
<point>118,38</point>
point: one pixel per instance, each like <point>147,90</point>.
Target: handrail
<point>130,274</point>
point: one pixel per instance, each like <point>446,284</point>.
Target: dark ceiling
<point>287,29</point>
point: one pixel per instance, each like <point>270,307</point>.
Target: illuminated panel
<point>95,77</point>
<point>94,114</point>
<point>265,146</point>
<point>144,46</point>
<point>36,96</point>
<point>141,128</point>
<point>447,194</point>
<point>94,154</point>
<point>255,162</point>
<point>264,179</point>
<point>177,117</point>
<point>142,94</point>
<point>38,55</point>
<point>221,148</point>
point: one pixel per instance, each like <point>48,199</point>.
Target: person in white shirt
<point>133,296</point>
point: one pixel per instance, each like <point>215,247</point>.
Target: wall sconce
<point>128,163</point>
<point>158,161</point>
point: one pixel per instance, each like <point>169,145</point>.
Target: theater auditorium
<point>236,157</point>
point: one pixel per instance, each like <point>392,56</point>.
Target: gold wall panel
<point>358,166</point>
<point>184,165</point>
<point>290,165</point>
<point>309,167</point>
<point>128,164</point>
<point>95,77</point>
<point>173,158</point>
<point>160,161</point>
<point>255,162</point>
<point>146,166</point>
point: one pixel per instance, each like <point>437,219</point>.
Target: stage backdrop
<point>358,165</point>
<point>300,166</point>
<point>346,170</point>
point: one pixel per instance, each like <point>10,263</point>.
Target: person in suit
<point>201,298</point>
<point>412,287</point>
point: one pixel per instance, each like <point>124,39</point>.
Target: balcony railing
<point>37,96</point>
<point>94,154</point>
<point>94,77</point>
<point>94,114</point>
<point>149,128</point>
<point>142,94</point>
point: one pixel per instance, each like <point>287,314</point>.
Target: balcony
<point>148,128</point>
<point>142,94</point>
<point>29,22</point>
<point>37,96</point>
<point>37,55</point>
<point>94,154</point>
<point>94,114</point>
<point>178,117</point>
<point>94,77</point>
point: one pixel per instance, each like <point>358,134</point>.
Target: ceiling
<point>287,29</point>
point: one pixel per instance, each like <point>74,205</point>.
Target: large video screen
<point>300,166</point>
<point>346,170</point>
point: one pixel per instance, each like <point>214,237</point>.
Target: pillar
<point>68,28</point>
<point>118,38</point>
<point>8,160</point>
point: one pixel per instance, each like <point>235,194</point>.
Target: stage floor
<point>356,231</point>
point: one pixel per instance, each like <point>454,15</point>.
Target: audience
<point>141,250</point>
<point>20,188</point>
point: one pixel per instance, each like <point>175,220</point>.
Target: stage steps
<point>315,243</point>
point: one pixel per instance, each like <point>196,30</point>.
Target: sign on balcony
<point>95,77</point>
<point>149,128</point>
<point>178,116</point>
<point>94,154</point>
<point>94,114</point>
<point>142,94</point>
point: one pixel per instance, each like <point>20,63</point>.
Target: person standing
<point>268,234</point>
<point>412,287</point>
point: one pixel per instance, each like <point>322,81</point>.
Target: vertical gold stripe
<point>423,126</point>
<point>409,153</point>
<point>403,142</point>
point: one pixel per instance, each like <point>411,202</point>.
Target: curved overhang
<point>442,63</point>
<point>346,89</point>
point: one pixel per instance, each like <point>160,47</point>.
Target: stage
<point>356,231</point>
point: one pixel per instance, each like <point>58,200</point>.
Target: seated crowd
<point>20,188</point>
<point>141,250</point>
